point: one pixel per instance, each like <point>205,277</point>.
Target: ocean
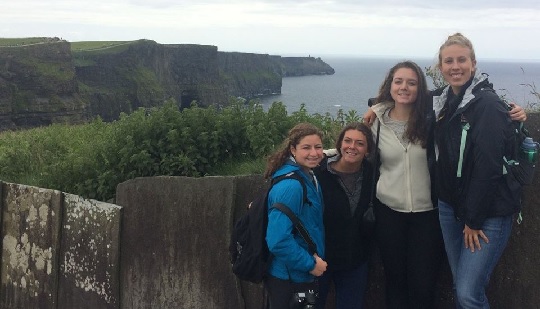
<point>358,79</point>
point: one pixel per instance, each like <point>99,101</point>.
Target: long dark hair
<point>297,133</point>
<point>416,130</point>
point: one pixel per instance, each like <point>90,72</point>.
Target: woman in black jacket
<point>346,181</point>
<point>476,200</point>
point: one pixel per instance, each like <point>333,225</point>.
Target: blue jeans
<point>471,271</point>
<point>350,287</point>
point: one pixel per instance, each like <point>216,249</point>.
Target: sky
<point>498,29</point>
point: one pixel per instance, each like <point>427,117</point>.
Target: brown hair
<point>360,127</point>
<point>417,124</point>
<point>296,134</point>
<point>457,39</point>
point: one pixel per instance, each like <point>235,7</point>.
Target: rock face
<point>47,82</point>
<point>145,74</point>
<point>300,66</point>
<point>38,86</point>
<point>250,75</point>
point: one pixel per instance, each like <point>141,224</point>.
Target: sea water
<point>358,79</point>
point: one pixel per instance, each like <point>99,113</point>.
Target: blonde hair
<point>457,39</point>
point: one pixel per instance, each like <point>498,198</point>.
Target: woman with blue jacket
<point>293,269</point>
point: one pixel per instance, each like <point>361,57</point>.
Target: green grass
<point>21,41</point>
<point>92,45</point>
<point>239,167</point>
<point>49,69</point>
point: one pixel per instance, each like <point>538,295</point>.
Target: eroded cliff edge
<point>48,82</point>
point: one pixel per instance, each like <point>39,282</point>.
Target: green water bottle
<point>529,150</point>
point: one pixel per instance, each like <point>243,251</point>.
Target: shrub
<point>92,159</point>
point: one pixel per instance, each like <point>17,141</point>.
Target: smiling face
<point>354,147</point>
<point>404,87</point>
<point>308,152</point>
<point>456,66</point>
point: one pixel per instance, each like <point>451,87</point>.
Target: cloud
<point>291,26</point>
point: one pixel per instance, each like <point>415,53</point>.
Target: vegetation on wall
<point>92,159</point>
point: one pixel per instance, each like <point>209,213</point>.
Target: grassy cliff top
<point>81,46</point>
<point>26,41</point>
<point>94,45</point>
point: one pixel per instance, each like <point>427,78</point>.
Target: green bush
<point>92,159</point>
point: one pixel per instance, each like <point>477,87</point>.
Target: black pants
<point>412,250</point>
<point>280,292</point>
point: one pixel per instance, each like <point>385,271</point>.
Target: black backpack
<point>522,170</point>
<point>250,257</point>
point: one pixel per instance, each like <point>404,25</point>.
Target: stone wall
<point>172,215</point>
<point>58,250</point>
<point>167,246</point>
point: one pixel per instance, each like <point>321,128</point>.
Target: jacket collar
<point>380,108</point>
<point>479,80</point>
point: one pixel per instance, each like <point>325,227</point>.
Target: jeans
<point>350,287</point>
<point>471,270</point>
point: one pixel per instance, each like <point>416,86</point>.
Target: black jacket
<point>482,191</point>
<point>348,241</point>
<point>430,148</point>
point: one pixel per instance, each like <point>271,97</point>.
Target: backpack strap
<point>465,126</point>
<point>294,175</point>
<point>312,248</point>
<point>377,161</point>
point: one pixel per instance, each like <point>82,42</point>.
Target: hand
<point>369,117</point>
<point>517,112</point>
<point>472,238</point>
<point>320,266</point>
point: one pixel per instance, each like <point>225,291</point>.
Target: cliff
<point>38,86</point>
<point>250,75</point>
<point>145,74</point>
<point>300,66</point>
<point>49,81</point>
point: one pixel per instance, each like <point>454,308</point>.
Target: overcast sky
<point>499,29</point>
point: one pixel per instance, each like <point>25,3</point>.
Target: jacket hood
<point>325,163</point>
<point>380,108</point>
<point>478,80</point>
<point>289,166</point>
